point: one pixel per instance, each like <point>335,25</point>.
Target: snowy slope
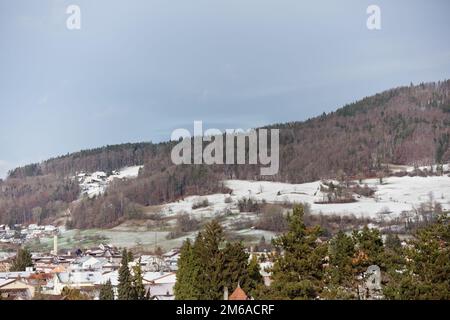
<point>394,196</point>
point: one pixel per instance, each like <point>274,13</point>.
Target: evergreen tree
<point>298,272</point>
<point>125,288</point>
<point>369,249</point>
<point>254,275</point>
<point>106,291</point>
<point>22,260</point>
<point>393,242</point>
<point>235,267</point>
<point>426,272</point>
<point>340,275</point>
<point>138,286</point>
<point>210,259</point>
<point>187,274</point>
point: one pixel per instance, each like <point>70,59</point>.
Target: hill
<point>406,125</point>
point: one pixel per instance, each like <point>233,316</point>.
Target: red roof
<point>238,294</point>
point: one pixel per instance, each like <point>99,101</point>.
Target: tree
<point>426,272</point>
<point>187,273</point>
<point>298,271</point>
<point>393,242</point>
<point>204,269</point>
<point>340,273</point>
<point>369,248</point>
<point>73,294</point>
<point>125,288</point>
<point>22,260</point>
<point>138,286</point>
<point>206,248</point>
<point>235,267</point>
<point>254,274</point>
<point>106,291</point>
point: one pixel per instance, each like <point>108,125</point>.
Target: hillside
<point>407,125</point>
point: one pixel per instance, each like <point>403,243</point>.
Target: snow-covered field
<point>394,196</point>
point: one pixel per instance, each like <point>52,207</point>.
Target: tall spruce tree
<point>256,279</point>
<point>340,274</point>
<point>369,249</point>
<point>205,269</point>
<point>210,260</point>
<point>235,267</point>
<point>106,291</point>
<point>22,261</point>
<point>138,292</point>
<point>298,271</point>
<point>187,274</point>
<point>125,287</point>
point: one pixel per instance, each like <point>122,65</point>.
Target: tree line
<point>307,267</point>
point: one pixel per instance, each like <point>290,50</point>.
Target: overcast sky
<point>136,70</point>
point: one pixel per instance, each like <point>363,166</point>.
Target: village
<point>19,234</point>
<point>88,270</point>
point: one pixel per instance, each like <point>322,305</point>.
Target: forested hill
<point>407,125</point>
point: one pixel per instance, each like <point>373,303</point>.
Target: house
<point>152,263</point>
<point>43,281</point>
<point>89,263</point>
<point>76,280</point>
<point>265,272</point>
<point>15,289</point>
<point>113,277</point>
<point>14,275</point>
<point>159,285</point>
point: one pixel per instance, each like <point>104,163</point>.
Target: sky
<point>138,69</point>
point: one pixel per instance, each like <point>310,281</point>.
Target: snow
<point>395,196</point>
<point>404,168</point>
<point>216,205</point>
<point>95,183</point>
<point>128,172</point>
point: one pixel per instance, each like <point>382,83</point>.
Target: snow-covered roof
<point>80,277</point>
<point>111,276</point>
<point>15,275</point>
<point>160,277</point>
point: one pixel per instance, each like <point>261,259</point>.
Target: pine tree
<point>340,275</point>
<point>298,272</point>
<point>393,242</point>
<point>369,248</point>
<point>235,267</point>
<point>254,275</point>
<point>138,286</point>
<point>187,274</point>
<point>125,288</point>
<point>210,259</point>
<point>106,291</point>
<point>426,272</point>
<point>22,261</point>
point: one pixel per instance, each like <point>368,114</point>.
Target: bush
<point>248,205</point>
<point>272,219</point>
<point>200,204</point>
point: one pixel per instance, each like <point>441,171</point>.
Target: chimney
<point>55,244</point>
<point>225,293</point>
